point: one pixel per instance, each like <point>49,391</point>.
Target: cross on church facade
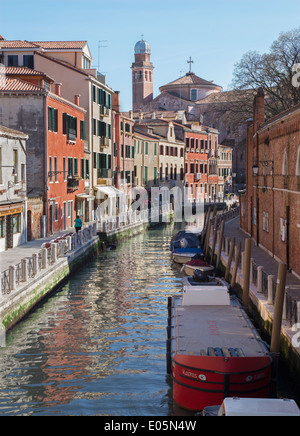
<point>190,62</point>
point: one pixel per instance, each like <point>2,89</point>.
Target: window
<point>146,147</point>
<point>2,226</point>
<point>12,61</point>
<point>64,169</point>
<point>82,129</point>
<point>155,149</point>
<point>75,166</point>
<point>194,94</point>
<point>161,150</point>
<point>56,211</point>
<point>70,167</point>
<point>283,229</point>
<point>266,221</point>
<point>28,61</point>
<point>146,174</point>
<point>82,168</point>
<point>1,166</point>
<point>285,164</point>
<point>16,219</point>
<point>52,119</point>
<point>298,163</point>
<point>50,169</point>
<point>23,173</point>
<point>55,168</point>
<point>70,127</point>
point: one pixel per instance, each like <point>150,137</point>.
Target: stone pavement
<point>12,256</point>
<point>262,258</point>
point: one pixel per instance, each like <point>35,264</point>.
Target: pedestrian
<point>78,224</point>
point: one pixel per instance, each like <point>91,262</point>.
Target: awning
<point>111,191</point>
<point>84,196</point>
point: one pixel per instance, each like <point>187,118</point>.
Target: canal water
<point>97,346</point>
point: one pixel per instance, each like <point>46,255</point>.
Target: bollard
<point>230,256</point>
<point>207,238</point>
<point>35,264</point>
<point>278,309</point>
<point>245,299</point>
<point>53,252</point>
<point>236,264</point>
<point>215,233</point>
<point>270,289</point>
<point>69,243</point>
<point>259,279</point>
<point>12,278</point>
<point>24,269</point>
<point>44,258</point>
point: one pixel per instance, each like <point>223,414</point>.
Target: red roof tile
<point>60,44</point>
<point>11,85</point>
<point>17,44</point>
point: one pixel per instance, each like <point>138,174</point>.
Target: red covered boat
<point>213,350</point>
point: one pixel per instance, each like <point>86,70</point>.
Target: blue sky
<point>214,33</point>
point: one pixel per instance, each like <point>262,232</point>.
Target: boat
<point>196,264</point>
<point>254,407</point>
<point>213,350</point>
<point>184,239</point>
<point>183,255</point>
<point>193,282</point>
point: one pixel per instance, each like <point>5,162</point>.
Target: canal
<point>97,346</point>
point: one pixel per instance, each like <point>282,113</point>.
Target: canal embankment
<point>225,247</point>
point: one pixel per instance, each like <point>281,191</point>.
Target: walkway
<point>262,258</point>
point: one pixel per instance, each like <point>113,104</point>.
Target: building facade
<point>142,75</point>
<point>270,206</point>
<point>13,201</point>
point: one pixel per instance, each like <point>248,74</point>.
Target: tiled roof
<point>17,44</point>
<point>60,44</point>
<point>191,78</point>
<point>11,85</point>
<point>24,71</point>
<point>5,131</point>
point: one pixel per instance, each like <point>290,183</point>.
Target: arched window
<point>149,76</point>
<point>285,164</point>
<point>146,75</point>
<point>141,74</point>
<point>298,163</point>
<point>135,75</point>
<point>194,94</point>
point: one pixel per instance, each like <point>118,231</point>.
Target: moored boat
<point>213,350</point>
<point>183,255</point>
<point>184,239</point>
<point>191,266</point>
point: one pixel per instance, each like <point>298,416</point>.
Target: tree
<point>273,72</point>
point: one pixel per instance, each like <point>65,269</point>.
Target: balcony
<point>72,135</point>
<point>104,111</point>
<point>104,142</point>
<point>72,184</point>
<point>104,173</point>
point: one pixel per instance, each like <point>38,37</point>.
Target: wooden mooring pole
<point>278,308</point>
<point>246,283</point>
<point>230,256</point>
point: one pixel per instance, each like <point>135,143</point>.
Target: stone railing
<point>50,252</point>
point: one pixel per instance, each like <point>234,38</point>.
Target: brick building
<point>270,206</point>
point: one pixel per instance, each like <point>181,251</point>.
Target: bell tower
<point>142,75</point>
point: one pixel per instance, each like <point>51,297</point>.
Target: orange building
<point>66,164</point>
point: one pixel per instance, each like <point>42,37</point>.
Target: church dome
<point>142,47</point>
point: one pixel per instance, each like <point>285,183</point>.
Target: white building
<point>13,200</point>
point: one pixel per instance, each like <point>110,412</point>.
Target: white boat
<point>254,407</point>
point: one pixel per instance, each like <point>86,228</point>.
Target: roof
<point>11,85</point>
<point>227,96</point>
<point>191,79</point>
<point>17,44</point>
<point>5,131</point>
<point>61,45</point>
<point>25,71</point>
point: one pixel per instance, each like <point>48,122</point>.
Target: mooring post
<point>220,243</point>
<point>230,256</point>
<point>278,308</point>
<point>236,264</point>
<point>246,274</point>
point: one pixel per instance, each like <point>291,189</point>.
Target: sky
<point>214,33</point>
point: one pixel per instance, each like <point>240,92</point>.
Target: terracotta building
<point>270,206</point>
<point>56,167</point>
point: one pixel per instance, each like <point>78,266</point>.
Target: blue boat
<point>183,255</point>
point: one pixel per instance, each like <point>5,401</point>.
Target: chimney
<point>57,88</point>
<point>259,109</point>
<point>116,101</point>
<point>76,99</point>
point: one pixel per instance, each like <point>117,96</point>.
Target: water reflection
<point>97,347</point>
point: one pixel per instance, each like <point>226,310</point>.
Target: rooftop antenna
<point>100,46</point>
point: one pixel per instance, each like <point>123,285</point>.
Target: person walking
<point>78,224</point>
